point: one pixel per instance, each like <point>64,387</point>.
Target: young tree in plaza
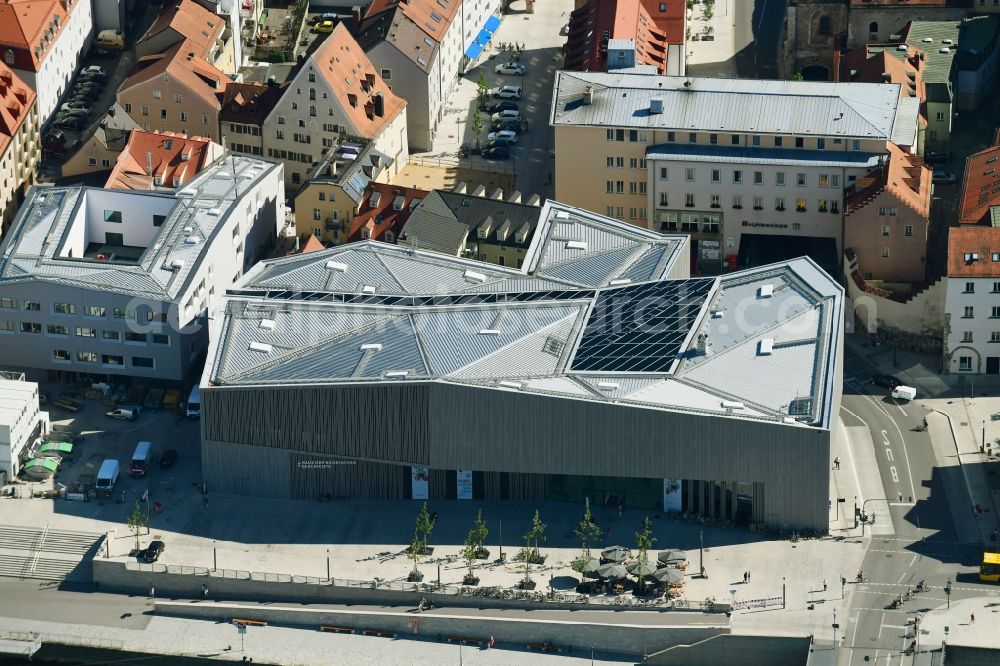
<point>587,531</point>
<point>137,522</point>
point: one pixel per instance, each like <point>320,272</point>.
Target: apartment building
<point>21,423</point>
<point>244,108</point>
<point>43,42</point>
<point>101,144</point>
<point>327,202</point>
<point>175,91</point>
<point>420,47</point>
<point>980,201</point>
<point>112,282</point>
<point>754,170</point>
<point>207,34</point>
<point>888,217</point>
<point>20,146</point>
<point>614,34</point>
<point>477,225</point>
<point>383,212</point>
<point>161,161</point>
<point>337,91</point>
<point>972,300</point>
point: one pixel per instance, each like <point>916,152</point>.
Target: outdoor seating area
<point>610,573</point>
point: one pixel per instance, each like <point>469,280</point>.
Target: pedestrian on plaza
<point>744,577</point>
<point>489,643</point>
<point>204,501</point>
<point>621,508</point>
<point>824,584</point>
<point>972,619</point>
<point>836,462</point>
<point>993,537</point>
<point>748,576</point>
<point>204,591</point>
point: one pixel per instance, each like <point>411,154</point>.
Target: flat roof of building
<point>30,250</point>
<point>851,110</point>
<point>756,344</point>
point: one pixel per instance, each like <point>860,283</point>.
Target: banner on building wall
<point>419,482</point>
<point>709,249</point>
<point>671,494</point>
<point>464,484</point>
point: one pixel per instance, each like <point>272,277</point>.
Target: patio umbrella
<point>564,583</point>
<point>668,576</point>
<point>616,553</point>
<point>641,568</point>
<point>671,556</point>
<point>612,571</point>
<point>585,564</point>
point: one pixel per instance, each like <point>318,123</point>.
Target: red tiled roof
<point>431,16</point>
<point>642,21</point>
<point>904,175</point>
<point>355,83</point>
<point>877,65</point>
<point>312,244</point>
<point>170,156</point>
<point>967,241</point>
<point>190,21</point>
<point>31,27</point>
<point>15,102</point>
<point>249,103</point>
<point>199,76</point>
<point>981,185</point>
<point>382,217</point>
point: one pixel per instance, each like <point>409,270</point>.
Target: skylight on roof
<point>338,266</point>
<point>617,282</point>
<point>489,331</point>
<point>513,385</point>
<point>428,41</point>
<point>473,275</point>
<point>397,374</point>
<point>765,346</point>
<point>766,290</point>
<point>261,347</point>
<point>371,346</point>
<point>368,289</point>
<point>608,386</point>
<point>576,245</point>
<point>266,324</point>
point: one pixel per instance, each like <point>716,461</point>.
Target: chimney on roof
<point>379,100</point>
<point>149,164</point>
<point>272,81</point>
<point>588,95</point>
<point>656,105</point>
<point>687,84</point>
<point>356,13</point>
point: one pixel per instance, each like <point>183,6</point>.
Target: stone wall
<point>804,44</point>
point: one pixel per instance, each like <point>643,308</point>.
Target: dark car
<point>508,124</point>
<point>500,105</point>
<point>168,459</point>
<point>938,156</point>
<point>54,138</point>
<point>69,122</point>
<point>496,153</point>
<point>887,381</point>
<point>153,551</point>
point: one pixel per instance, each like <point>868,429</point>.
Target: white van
<point>107,477</point>
<point>113,40</point>
<point>140,459</point>
<point>121,414</point>
<point>194,403</point>
<point>904,393</point>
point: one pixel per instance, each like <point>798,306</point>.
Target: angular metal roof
<point>30,250</point>
<point>755,344</point>
<point>846,109</point>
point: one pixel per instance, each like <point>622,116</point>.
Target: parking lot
<point>531,159</point>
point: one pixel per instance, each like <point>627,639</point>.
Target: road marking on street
<point>881,623</point>
<point>850,454</point>
<point>895,477</point>
<point>854,635</point>
<point>902,503</point>
<point>901,577</point>
<point>913,560</point>
<point>902,440</point>
<point>894,626</point>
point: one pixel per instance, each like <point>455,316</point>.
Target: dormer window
<point>8,56</point>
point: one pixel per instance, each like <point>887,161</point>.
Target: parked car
<point>509,125</point>
<point>68,122</point>
<point>496,153</point>
<point>153,551</point>
<point>509,136</point>
<point>943,177</point>
<point>507,92</point>
<point>325,26</point>
<point>499,105</point>
<point>168,459</point>
<point>329,16</point>
<point>93,69</point>
<point>937,156</point>
<point>88,86</point>
<point>512,68</point>
<point>75,108</point>
<point>506,115</point>
<point>122,414</point>
<point>54,138</point>
<point>502,142</point>
<point>887,381</point>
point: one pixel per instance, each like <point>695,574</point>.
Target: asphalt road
<point>924,546</point>
<point>760,58</point>
<point>72,604</point>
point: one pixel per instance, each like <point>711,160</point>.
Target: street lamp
<point>947,592</point>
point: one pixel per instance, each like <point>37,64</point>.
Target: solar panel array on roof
<point>640,328</point>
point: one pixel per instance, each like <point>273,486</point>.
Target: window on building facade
<point>968,312</point>
<point>800,179</point>
<point>689,200</point>
<point>885,229</point>
<point>112,359</point>
<point>758,203</point>
<point>738,177</point>
<point>755,140</point>
<point>86,357</point>
<point>779,203</point>
<point>970,288</point>
<point>778,141</point>
<point>995,336</point>
<point>671,137</point>
<point>713,139</point>
<point>663,173</point>
<point>716,176</point>
<point>60,355</point>
<point>32,306</point>
<point>779,179</point>
<point>734,139</point>
<point>55,329</point>
<point>758,177</point>
<point>689,174</point>
<point>716,201</point>
<point>800,205</point>
<point>737,201</point>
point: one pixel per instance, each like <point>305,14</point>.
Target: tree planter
<point>428,551</point>
<point>470,580</point>
<point>482,554</point>
<point>526,585</point>
<point>415,577</point>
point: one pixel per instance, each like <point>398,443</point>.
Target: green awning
<point>46,463</point>
<point>56,447</point>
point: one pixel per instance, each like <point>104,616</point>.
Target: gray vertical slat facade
<point>448,427</point>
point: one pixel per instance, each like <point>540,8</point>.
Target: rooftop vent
<point>336,266</point>
<point>765,291</point>
<point>513,385</point>
<point>191,240</point>
<point>176,264</point>
<point>608,386</point>
<point>397,374</point>
<point>701,344</point>
<point>489,331</point>
<point>947,41</point>
<point>927,40</point>
<point>266,324</point>
<point>588,95</point>
<point>473,275</point>
<point>368,289</point>
<point>261,347</point>
<point>371,346</point>
<point>765,346</point>
<point>731,404</point>
<point>562,215</point>
<point>576,245</point>
<point>656,105</point>
<point>944,49</point>
<point>717,314</point>
<point>902,47</point>
<point>619,281</point>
